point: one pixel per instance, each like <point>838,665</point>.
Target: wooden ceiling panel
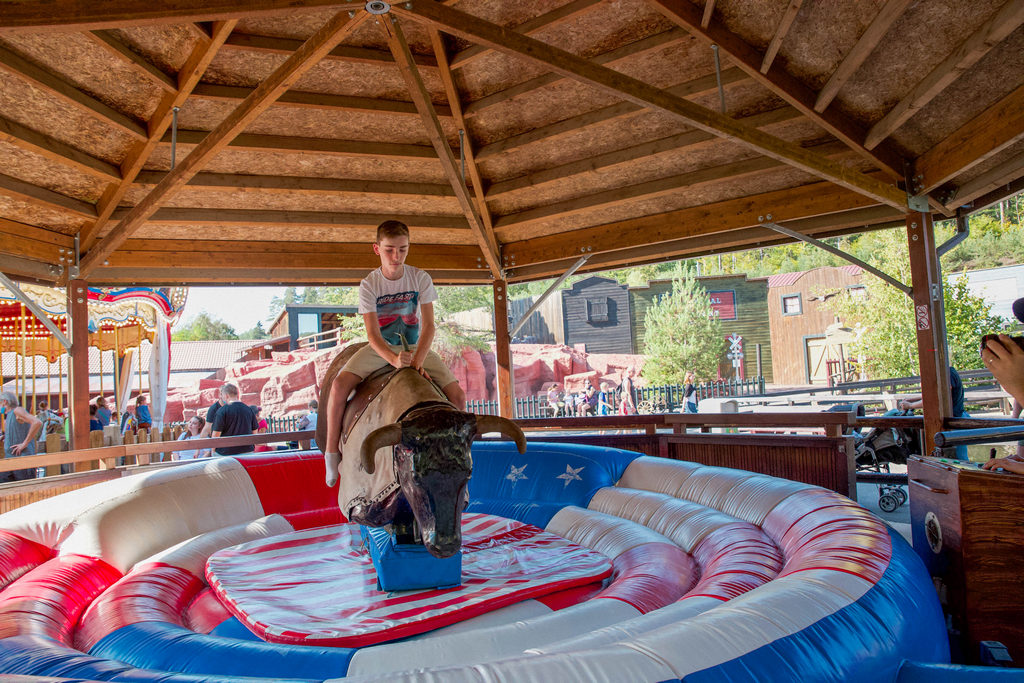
<point>43,172</point>
<point>80,61</point>
<point>285,233</point>
<point>16,209</point>
<point>299,201</point>
<point>166,46</point>
<point>30,106</point>
<point>299,24</point>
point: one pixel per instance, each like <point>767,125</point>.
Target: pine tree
<point>682,333</point>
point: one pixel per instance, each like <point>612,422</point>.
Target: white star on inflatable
<point>516,474</point>
<point>570,475</point>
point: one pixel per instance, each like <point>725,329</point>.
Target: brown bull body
<point>405,448</point>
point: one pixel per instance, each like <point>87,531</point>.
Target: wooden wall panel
<point>611,336</point>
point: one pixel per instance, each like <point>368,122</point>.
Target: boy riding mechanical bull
<point>406,398</point>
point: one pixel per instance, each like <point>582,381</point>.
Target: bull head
<point>433,466</point>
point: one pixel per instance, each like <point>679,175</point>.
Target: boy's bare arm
<point>427,330</point>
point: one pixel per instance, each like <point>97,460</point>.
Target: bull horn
<point>388,435</point>
<point>508,428</point>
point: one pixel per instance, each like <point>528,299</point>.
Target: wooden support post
<point>502,349</point>
<point>78,366</point>
<point>930,323</point>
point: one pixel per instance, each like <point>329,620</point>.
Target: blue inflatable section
<point>168,647</point>
<point>532,487</point>
<point>918,672</point>
<point>815,653</point>
<point>38,656</point>
<point>233,628</point>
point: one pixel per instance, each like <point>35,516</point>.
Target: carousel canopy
<point>195,142</point>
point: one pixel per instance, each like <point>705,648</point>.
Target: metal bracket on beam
<point>548,292</point>
<point>841,254</point>
<point>963,231</point>
<point>37,311</point>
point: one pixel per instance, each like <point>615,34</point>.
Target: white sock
<point>331,463</point>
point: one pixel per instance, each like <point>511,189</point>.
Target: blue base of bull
<point>404,567</point>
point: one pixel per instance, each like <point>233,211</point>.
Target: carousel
<point>34,335</point>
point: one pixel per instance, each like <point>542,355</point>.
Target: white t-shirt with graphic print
<point>397,302</point>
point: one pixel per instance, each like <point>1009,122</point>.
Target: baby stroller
<point>878,449</point>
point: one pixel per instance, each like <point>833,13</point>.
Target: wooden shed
<point>195,142</point>
<point>740,303</point>
<point>596,314</point>
<point>802,353</point>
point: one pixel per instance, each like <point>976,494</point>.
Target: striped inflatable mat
<point>318,586</point>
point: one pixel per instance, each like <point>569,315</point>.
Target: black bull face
<point>433,466</point>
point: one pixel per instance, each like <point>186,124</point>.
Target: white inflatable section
<point>162,508</point>
<point>609,535</point>
<point>488,644</point>
<point>527,609</point>
<point>191,554</point>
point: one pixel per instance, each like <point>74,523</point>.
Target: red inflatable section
<point>150,592</point>
<point>18,556</point>
<point>48,600</point>
<point>734,559</point>
<point>292,483</point>
<point>205,612</point>
<point>651,575</point>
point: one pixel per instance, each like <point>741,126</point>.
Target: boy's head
<point>392,243</point>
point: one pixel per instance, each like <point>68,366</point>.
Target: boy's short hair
<point>392,229</point>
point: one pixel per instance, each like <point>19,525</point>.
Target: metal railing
<point>320,340</point>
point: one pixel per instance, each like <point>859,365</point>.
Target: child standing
<point>397,305</point>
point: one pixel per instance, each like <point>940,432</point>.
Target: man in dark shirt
<point>233,419</point>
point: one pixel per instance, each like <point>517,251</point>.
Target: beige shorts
<point>366,361</point>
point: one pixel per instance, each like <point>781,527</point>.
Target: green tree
<point>255,332</point>
<point>682,333</point>
<point>204,327</point>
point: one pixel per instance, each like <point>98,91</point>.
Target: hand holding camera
<point>1003,355</point>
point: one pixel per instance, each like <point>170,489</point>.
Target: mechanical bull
<point>405,455</point>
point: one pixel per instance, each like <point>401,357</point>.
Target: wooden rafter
<point>300,184</point>
<point>109,42</point>
<point>992,179</point>
<point>655,42</point>
<point>55,150</point>
<point>455,103</point>
<point>312,100</point>
<point>781,205</point>
<point>307,56</point>
<point>192,70</point>
<point>69,94</point>
<point>1000,25</point>
<point>691,88</point>
<point>865,45</point>
<point>610,81</point>
<point>788,17</point>
<point>33,243</point>
<point>705,17</point>
<point>995,129</point>
<point>85,15</point>
<point>546,20</point>
<point>281,143</point>
<point>634,152</point>
<point>436,135</point>
<point>331,219</point>
<point>781,83</point>
<point>158,276</point>
<point>47,199</point>
<point>342,53</point>
<point>514,224</point>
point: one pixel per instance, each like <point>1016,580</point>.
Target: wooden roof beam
<point>995,129</point>
<point>342,53</point>
<point>992,179</point>
<point>41,197</point>
<point>81,15</point>
<point>788,17</point>
<point>280,143</point>
<point>319,44</point>
<point>314,100</point>
<point>436,135</point>
<point>705,17</point>
<point>655,42</point>
<point>691,88</point>
<point>301,184</point>
<point>284,276</point>
<point>55,150</point>
<point>1000,25</point>
<point>109,42</point>
<point>69,94</point>
<point>546,20</point>
<point>634,152</point>
<point>192,70</point>
<point>37,244</point>
<point>610,81</point>
<point>789,88</point>
<point>311,219</point>
<point>865,45</point>
<point>455,102</point>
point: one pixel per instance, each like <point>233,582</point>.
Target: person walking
<point>690,393</point>
<point>21,429</point>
